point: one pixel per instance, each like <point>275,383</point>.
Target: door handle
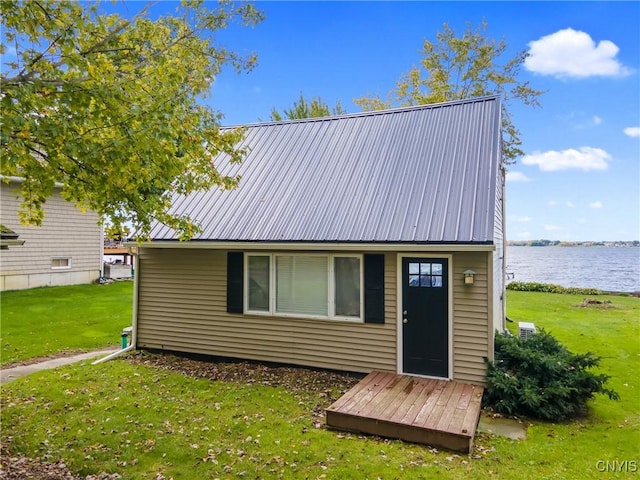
<point>404,320</point>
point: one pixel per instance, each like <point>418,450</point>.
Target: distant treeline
<point>558,243</point>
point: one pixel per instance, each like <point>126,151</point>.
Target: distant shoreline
<point>606,268</point>
<point>559,243</point>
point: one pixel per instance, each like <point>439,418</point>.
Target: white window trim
<point>330,290</point>
<point>66,267</point>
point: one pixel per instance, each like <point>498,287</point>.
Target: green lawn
<point>139,421</point>
<point>45,321</point>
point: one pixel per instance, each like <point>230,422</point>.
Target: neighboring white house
<point>65,250</point>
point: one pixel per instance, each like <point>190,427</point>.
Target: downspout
<point>134,321</point>
<point>101,250</point>
<point>114,354</point>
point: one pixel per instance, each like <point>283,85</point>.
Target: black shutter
<point>235,272</point>
<point>374,288</point>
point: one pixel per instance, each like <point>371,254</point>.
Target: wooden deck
<point>116,251</point>
<point>440,413</point>
<point>126,253</point>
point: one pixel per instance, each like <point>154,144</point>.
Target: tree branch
<point>37,59</point>
<point>20,80</point>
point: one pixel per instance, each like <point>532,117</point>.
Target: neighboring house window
<point>313,285</point>
<point>60,263</point>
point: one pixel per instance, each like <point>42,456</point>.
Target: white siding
<point>66,232</point>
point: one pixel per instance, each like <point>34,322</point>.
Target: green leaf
<point>110,107</point>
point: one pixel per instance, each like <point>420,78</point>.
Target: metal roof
<point>419,174</point>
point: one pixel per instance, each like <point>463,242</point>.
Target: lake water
<point>605,268</point>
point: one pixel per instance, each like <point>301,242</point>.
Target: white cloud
<point>569,204</point>
<point>521,219</point>
<point>582,221</point>
<point>632,131</point>
<point>524,234</point>
<point>552,228</point>
<point>585,158</point>
<point>595,205</point>
<point>516,177</point>
<point>581,120</point>
<point>552,203</point>
<point>572,53</point>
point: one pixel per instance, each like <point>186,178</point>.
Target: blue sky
<point>580,176</point>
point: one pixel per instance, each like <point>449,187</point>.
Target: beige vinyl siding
<point>182,307</point>
<point>66,232</point>
<point>470,317</point>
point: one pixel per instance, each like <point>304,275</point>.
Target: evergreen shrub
<point>540,378</point>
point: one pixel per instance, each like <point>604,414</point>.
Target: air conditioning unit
<point>525,330</point>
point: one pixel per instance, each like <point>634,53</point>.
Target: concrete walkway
<point>503,427</point>
<point>8,374</point>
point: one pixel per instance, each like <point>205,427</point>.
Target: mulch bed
<point>322,386</point>
<point>247,372</point>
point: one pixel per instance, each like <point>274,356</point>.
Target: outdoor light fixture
<point>468,277</point>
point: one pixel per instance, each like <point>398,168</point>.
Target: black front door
<point>425,318</point>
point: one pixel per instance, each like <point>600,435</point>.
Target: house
<point>65,250</point>
<point>350,244</point>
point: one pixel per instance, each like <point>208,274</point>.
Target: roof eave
<point>320,246</point>
<point>5,243</point>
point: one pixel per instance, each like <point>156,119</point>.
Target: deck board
<point>367,395</point>
<point>457,420</point>
<point>404,397</point>
<point>413,391</point>
<point>354,393</point>
<point>435,412</point>
<point>425,390</point>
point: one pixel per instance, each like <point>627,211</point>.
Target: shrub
<point>540,378</point>
<point>551,288</point>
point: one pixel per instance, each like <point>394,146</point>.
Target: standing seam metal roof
<point>419,174</point>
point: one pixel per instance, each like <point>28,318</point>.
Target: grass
<point>46,321</point>
<point>140,421</point>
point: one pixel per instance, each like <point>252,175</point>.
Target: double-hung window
<point>326,286</point>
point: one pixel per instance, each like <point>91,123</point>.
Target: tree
<point>116,234</point>
<point>455,68</point>
<point>316,107</point>
<point>110,107</point>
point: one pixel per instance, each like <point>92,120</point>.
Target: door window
<point>425,274</point>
